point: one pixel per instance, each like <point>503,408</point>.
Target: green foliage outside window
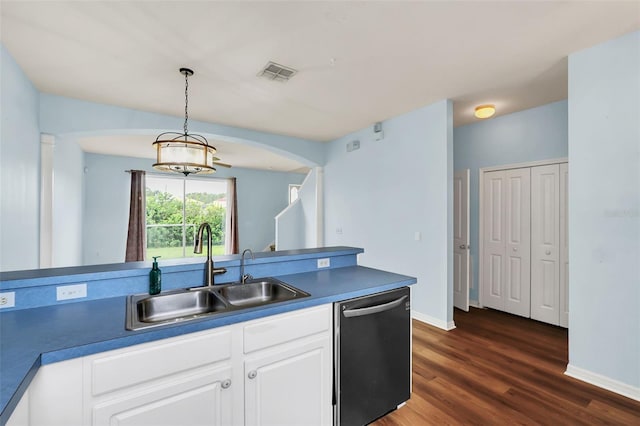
<point>165,209</point>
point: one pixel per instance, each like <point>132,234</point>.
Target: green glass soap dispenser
<point>155,277</point>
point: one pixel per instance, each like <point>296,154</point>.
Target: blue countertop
<point>39,336</point>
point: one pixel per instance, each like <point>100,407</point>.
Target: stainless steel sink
<point>259,292</point>
<point>144,311</point>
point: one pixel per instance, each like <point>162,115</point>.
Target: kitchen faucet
<point>244,277</point>
<point>209,269</point>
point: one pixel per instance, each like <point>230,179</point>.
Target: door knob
<point>252,374</point>
<point>462,246</point>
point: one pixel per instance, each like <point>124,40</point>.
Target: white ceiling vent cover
<point>277,72</point>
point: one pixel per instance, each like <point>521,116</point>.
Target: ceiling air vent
<point>277,72</point>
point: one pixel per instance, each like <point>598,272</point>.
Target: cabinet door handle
<point>226,384</point>
<point>252,374</point>
<point>548,252</point>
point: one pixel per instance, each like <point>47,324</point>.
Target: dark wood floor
<point>500,369</point>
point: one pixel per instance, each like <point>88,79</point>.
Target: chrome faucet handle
<point>245,278</point>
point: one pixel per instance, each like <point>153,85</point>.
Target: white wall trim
<point>319,207</point>
<point>427,319</point>
<point>481,172</point>
<point>603,382</point>
<point>47,145</point>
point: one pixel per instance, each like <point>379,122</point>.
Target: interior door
<point>506,207</point>
<point>545,243</point>
<point>517,273</point>
<point>461,269</point>
<point>493,240</point>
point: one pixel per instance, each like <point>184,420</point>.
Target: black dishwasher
<point>372,356</point>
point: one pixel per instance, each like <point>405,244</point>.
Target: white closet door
<point>564,245</point>
<point>517,272</point>
<point>494,243</point>
<point>461,240</point>
<point>545,243</point>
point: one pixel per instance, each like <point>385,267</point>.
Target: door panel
<point>461,240</point>
<point>517,241</point>
<point>545,242</point>
<point>493,244</point>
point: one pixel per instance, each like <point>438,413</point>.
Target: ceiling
<point>358,62</point>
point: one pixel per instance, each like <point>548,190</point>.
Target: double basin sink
<point>144,311</point>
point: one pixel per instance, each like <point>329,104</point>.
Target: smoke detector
<point>277,72</point>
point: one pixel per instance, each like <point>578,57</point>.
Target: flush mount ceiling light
<point>485,111</point>
<point>183,152</point>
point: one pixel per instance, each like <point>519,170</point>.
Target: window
<point>176,206</point>
<point>293,192</point>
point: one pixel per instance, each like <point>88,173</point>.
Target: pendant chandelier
<point>184,152</point>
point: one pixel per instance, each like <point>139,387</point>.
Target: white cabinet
<point>198,378</point>
<point>204,398</point>
<point>289,384</point>
<point>524,242</point>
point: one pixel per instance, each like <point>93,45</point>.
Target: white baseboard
<point>603,382</point>
<point>474,303</point>
<point>427,319</point>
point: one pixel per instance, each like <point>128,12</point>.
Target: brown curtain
<point>136,235</point>
<point>233,210</point>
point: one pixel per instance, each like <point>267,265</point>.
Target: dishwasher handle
<point>349,313</point>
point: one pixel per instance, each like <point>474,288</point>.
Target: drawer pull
<point>226,384</point>
<point>252,374</point>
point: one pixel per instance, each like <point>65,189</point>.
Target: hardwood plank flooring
<point>501,369</point>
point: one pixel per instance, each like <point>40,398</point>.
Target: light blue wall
<point>604,210</point>
<point>261,196</point>
<point>19,168</point>
<point>379,196</point>
<point>534,134</point>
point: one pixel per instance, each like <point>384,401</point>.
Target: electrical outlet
<point>324,263</point>
<point>75,291</point>
<point>7,300</point>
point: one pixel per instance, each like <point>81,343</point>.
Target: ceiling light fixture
<point>485,111</point>
<point>185,153</point>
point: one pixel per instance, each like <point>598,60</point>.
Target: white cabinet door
<point>545,244</point>
<point>200,399</point>
<point>290,385</point>
<point>461,240</point>
<point>564,245</point>
<point>506,213</point>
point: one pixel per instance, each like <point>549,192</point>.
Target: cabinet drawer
<point>287,327</point>
<point>127,367</point>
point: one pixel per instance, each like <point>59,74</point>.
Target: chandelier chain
<point>186,101</point>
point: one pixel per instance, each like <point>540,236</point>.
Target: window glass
<point>176,206</point>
